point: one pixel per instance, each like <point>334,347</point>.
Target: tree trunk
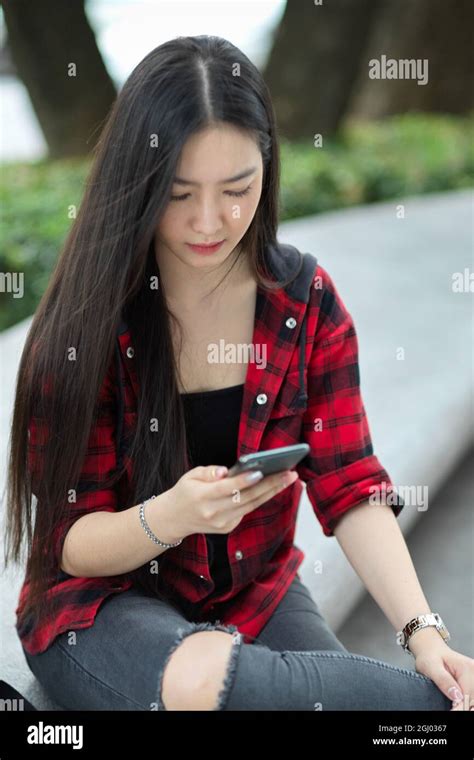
<point>314,63</point>
<point>435,30</point>
<point>55,53</point>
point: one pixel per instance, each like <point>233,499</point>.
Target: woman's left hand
<point>452,672</point>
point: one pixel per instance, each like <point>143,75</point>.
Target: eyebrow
<point>235,178</point>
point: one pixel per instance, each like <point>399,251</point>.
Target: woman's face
<point>206,205</point>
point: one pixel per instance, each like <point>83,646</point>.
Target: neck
<point>189,288</point>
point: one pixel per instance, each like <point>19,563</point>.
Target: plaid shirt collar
<point>280,325</point>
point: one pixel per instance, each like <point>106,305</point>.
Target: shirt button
<point>238,554</point>
<point>290,322</point>
<point>130,352</point>
<point>262,398</point>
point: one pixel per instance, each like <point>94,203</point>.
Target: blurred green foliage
<point>35,201</point>
<point>403,155</point>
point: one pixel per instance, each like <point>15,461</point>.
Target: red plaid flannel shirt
<point>311,375</point>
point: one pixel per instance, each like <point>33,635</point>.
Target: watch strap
<point>417,623</point>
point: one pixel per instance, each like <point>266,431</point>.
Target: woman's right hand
<point>202,502</point>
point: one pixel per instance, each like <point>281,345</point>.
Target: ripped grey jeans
<point>296,663</point>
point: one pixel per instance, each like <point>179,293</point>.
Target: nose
<point>207,220</point>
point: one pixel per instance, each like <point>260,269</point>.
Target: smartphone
<point>271,460</point>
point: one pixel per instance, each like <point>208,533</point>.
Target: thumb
<point>214,472</point>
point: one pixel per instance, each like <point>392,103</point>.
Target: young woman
<point>176,334</point>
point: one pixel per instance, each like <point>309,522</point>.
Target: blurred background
<point>380,138</point>
<point>374,105</point>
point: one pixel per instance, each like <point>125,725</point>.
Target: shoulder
<point>326,303</point>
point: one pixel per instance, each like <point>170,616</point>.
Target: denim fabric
<point>296,663</point>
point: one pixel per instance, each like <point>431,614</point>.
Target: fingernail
<point>220,471</point>
<point>254,476</point>
<point>457,696</point>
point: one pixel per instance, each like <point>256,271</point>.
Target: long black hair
<point>103,271</point>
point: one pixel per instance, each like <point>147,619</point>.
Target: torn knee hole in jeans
<point>181,634</point>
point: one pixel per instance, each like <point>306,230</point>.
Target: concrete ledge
<point>440,545</point>
<point>395,277</point>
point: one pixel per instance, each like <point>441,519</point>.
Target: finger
<point>222,486</point>
<point>226,489</point>
<point>265,493</point>
<point>277,482</point>
<point>250,485</point>
<point>450,687</point>
<point>245,480</point>
<point>241,497</point>
<point>248,505</point>
<point>465,680</point>
<point>210,473</point>
<point>228,486</point>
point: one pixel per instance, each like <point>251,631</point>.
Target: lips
<point>208,248</point>
<point>207,245</point>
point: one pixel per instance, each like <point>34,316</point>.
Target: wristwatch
<point>421,621</point>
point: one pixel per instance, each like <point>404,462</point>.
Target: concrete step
<point>395,277</point>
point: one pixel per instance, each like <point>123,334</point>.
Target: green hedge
<point>403,155</point>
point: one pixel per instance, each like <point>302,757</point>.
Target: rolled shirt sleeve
<point>341,469</point>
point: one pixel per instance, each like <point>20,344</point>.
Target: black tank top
<point>212,426</point>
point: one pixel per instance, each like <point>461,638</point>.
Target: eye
<point>240,193</point>
<point>179,197</point>
<point>235,194</point>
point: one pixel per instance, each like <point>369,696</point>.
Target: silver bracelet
<point>147,529</point>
